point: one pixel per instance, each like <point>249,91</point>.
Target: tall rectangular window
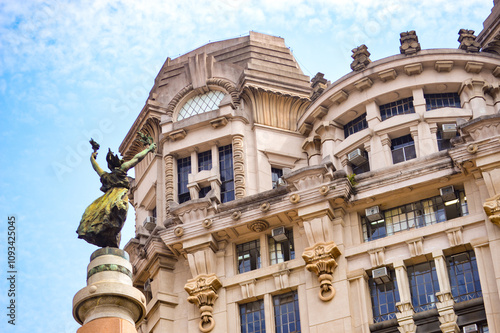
<point>226,173</point>
<point>384,298</point>
<point>403,149</point>
<point>356,125</point>
<point>436,101</point>
<point>205,160</point>
<point>464,276</point>
<point>281,251</point>
<point>183,169</point>
<point>403,106</point>
<point>248,256</point>
<point>423,285</point>
<point>286,313</point>
<point>252,317</point>
<point>276,174</point>
<point>415,215</point>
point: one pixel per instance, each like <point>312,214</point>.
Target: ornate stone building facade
<point>276,203</point>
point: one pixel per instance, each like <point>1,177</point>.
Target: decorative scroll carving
<point>492,209</point>
<point>361,58</point>
<point>169,183</point>
<point>409,43</point>
<point>239,167</point>
<point>320,259</point>
<point>202,292</point>
<point>467,41</point>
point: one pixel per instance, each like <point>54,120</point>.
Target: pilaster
<point>406,312</point>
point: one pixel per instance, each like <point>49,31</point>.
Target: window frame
<point>375,296</point>
<point>278,305</point>
<point>427,281</point>
<point>406,145</point>
<point>356,125</point>
<point>399,107</point>
<point>254,256</point>
<point>454,277</point>
<point>288,248</point>
<point>442,100</point>
<point>247,326</point>
<point>182,179</point>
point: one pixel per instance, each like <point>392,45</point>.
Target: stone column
<point>472,94</point>
<point>312,147</point>
<point>405,315</point>
<point>109,303</point>
<point>447,315</point>
<point>359,293</point>
<point>169,182</point>
<point>239,167</point>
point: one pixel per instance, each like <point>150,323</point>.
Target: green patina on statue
<point>104,218</point>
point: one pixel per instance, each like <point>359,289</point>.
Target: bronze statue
<point>104,218</point>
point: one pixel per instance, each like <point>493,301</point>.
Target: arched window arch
<point>201,103</point>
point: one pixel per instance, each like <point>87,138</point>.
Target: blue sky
<point>71,70</point>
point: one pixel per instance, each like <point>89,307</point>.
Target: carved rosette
<point>320,259</point>
<point>202,292</point>
<point>492,209</point>
<point>169,182</point>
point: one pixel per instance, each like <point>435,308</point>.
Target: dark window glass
<point>252,317</point>
<point>403,149</point>
<point>203,191</point>
<point>436,101</point>
<point>384,298</point>
<point>464,276</point>
<point>286,313</point>
<point>183,169</point>
<point>403,106</point>
<point>281,251</point>
<point>248,256</point>
<point>276,174</point>
<point>355,125</point>
<point>226,173</point>
<point>205,160</point>
<point>415,215</point>
<point>443,144</point>
<point>423,285</point>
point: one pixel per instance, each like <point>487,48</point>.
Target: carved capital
<point>202,292</point>
<point>320,259</point>
<point>492,209</point>
<point>409,43</point>
<point>361,58</point>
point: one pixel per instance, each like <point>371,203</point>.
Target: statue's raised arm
<point>138,157</point>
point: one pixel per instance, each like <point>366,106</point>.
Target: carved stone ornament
<point>202,292</point>
<point>409,42</point>
<point>467,41</point>
<point>361,58</point>
<point>320,259</point>
<point>492,209</point>
<point>258,226</point>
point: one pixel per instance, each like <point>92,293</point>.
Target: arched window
<point>200,104</point>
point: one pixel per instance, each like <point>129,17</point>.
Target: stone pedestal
<point>109,303</point>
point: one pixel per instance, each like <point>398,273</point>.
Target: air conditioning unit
<point>449,131</point>
<point>279,234</point>
<point>447,193</point>
<point>471,328</point>
<point>357,157</point>
<point>149,223</point>
<point>373,214</point>
<point>147,285</point>
<point>381,275</point>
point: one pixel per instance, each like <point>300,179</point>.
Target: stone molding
<point>169,183</point>
<point>447,316</point>
<point>239,166</point>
